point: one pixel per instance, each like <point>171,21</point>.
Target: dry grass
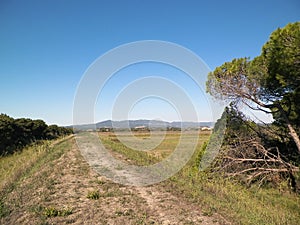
<point>47,184</point>
<point>60,188</point>
<point>13,166</point>
<point>160,152</point>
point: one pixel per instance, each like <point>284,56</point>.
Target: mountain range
<point>123,124</point>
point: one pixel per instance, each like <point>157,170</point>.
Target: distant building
<point>206,128</point>
<point>140,128</point>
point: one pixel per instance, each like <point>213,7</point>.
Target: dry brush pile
<point>254,154</point>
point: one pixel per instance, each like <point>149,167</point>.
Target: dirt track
<point>66,182</point>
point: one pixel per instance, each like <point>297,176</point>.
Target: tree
<point>17,133</point>
<point>269,83</point>
<point>38,129</point>
<point>23,131</point>
<point>248,155</point>
<point>6,134</point>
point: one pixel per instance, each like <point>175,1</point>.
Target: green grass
<point>228,198</point>
<point>234,201</point>
<point>54,212</point>
<point>4,210</point>
<point>93,194</point>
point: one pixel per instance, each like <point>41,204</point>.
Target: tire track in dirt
<point>164,207</point>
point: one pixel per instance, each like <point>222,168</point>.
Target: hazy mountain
<point>123,124</point>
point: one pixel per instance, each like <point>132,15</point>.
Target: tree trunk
<point>291,129</point>
<point>294,136</point>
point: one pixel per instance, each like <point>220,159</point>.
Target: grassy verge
<point>15,168</point>
<point>234,201</point>
<point>230,199</point>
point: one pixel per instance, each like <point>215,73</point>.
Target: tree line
<point>270,83</point>
<point>17,133</point>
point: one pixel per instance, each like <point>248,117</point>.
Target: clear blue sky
<point>46,46</point>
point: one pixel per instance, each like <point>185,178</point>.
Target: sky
<point>46,47</point>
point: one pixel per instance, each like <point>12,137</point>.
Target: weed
<point>93,194</point>
<point>54,212</point>
<point>4,210</point>
<point>101,182</point>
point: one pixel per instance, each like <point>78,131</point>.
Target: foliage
<point>281,58</point>
<point>269,83</point>
<point>17,133</point>
<point>281,85</point>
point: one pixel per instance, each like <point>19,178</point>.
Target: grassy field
<point>169,142</point>
<point>235,202</point>
<point>50,183</point>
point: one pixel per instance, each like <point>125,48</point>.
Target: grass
<point>233,200</point>
<point>143,158</point>
<point>27,171</point>
<point>20,164</point>
<point>54,212</point>
<point>93,194</point>
<point>133,157</point>
<point>4,210</point>
<point>226,197</point>
<point>14,166</point>
<point>53,189</point>
<point>14,169</point>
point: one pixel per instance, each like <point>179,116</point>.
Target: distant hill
<point>155,124</point>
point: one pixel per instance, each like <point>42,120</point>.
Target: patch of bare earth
<point>65,184</point>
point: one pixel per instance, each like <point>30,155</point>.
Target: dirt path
<point>66,183</point>
<point>169,209</point>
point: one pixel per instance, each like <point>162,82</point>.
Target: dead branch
<point>250,160</point>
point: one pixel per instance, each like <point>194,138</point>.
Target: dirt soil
<point>65,184</point>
